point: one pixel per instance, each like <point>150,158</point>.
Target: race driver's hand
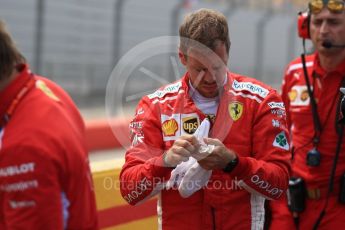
<point>181,150</point>
<point>219,157</point>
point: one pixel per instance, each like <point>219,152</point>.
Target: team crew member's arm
<point>31,196</point>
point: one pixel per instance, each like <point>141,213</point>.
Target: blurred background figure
<point>311,92</point>
<point>45,180</point>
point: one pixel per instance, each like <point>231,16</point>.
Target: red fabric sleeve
<point>144,171</point>
<point>267,171</point>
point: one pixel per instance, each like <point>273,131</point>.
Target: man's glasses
<point>334,6</point>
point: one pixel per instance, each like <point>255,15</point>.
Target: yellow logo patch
<point>169,127</point>
<point>45,89</point>
<point>235,110</point>
<point>190,124</point>
<point>304,95</point>
<point>292,95</point>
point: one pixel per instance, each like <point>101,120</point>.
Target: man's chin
<point>209,94</point>
<point>328,52</point>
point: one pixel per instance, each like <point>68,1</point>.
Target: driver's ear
<point>182,57</point>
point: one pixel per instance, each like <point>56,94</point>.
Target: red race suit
<point>250,120</point>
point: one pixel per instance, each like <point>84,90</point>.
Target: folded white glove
<point>189,176</point>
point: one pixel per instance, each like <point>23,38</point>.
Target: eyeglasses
<point>334,6</point>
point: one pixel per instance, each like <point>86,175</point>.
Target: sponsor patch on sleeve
<point>280,113</point>
<point>250,87</point>
<point>173,88</point>
<point>275,123</point>
<point>276,105</point>
<point>281,141</point>
<point>136,133</point>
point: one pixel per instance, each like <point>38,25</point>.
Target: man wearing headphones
<point>310,91</point>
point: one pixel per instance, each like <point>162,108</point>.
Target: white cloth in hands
<point>189,176</point>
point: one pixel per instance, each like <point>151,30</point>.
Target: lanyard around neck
<point>316,118</point>
<point>13,105</point>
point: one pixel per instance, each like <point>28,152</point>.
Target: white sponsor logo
<point>281,141</point>
<point>278,112</point>
<point>251,87</point>
<point>173,88</point>
<point>136,125</point>
<point>140,111</point>
<point>276,123</point>
<point>17,169</point>
<point>137,138</point>
<point>255,179</point>
<point>140,188</point>
<point>276,105</point>
<point>22,204</point>
<point>19,186</point>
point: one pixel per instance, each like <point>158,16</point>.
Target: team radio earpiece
<point>315,7</point>
<point>303,24</point>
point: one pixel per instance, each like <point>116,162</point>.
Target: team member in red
<point>326,74</point>
<point>250,160</point>
<point>45,180</point>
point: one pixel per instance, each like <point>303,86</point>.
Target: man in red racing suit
<point>258,135</point>
<point>250,158</point>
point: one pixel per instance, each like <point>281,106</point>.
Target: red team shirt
<point>295,96</point>
<point>45,180</point>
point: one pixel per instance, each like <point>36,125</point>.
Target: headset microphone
<point>328,45</point>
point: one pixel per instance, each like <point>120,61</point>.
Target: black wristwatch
<point>231,165</point>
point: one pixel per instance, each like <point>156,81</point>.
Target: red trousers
<point>332,220</point>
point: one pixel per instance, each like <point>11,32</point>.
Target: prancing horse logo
<point>235,110</point>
